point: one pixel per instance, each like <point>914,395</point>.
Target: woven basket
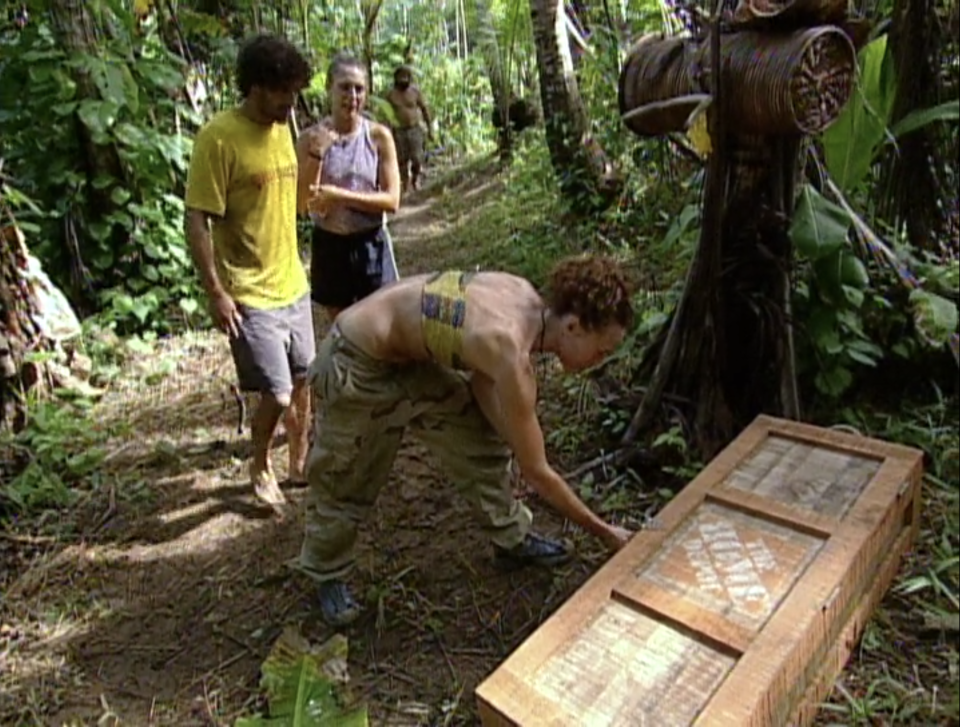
<point>656,86</point>
<point>786,84</point>
<point>774,83</point>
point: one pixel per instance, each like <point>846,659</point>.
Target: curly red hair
<point>593,288</point>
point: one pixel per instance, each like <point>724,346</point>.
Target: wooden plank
<point>735,565</point>
<point>498,690</point>
<point>685,616</point>
<point>623,668</point>
<point>836,659</point>
<point>819,526</point>
<point>627,668</point>
<point>804,476</point>
<point>806,623</point>
<point>835,439</point>
<point>530,707</point>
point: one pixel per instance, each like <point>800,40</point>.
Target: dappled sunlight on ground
<point>163,604</point>
<point>170,582</point>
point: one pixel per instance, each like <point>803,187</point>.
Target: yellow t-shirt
<point>245,175</point>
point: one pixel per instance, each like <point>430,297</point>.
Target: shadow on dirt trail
<point>162,608</point>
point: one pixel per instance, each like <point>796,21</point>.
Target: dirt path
<point>162,606</point>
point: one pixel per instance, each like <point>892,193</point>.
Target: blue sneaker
<point>337,604</point>
<point>534,550</point>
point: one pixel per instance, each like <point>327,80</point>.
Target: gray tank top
<point>353,163</point>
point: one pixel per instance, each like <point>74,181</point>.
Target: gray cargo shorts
<point>275,347</point>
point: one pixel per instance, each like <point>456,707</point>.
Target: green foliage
<point>931,579</point>
<point>935,316</point>
<point>459,97</point>
<point>819,227</point>
<point>851,142</point>
<point>96,138</point>
<point>949,111</point>
<point>839,301</point>
<point>519,228</point>
<point>832,294</point>
<point>300,688</point>
<point>673,439</point>
<point>852,312</point>
<point>60,452</point>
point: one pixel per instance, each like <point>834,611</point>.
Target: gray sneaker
<point>337,604</point>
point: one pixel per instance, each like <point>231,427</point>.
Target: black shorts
<point>345,268</point>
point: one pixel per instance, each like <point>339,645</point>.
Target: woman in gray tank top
<point>349,179</point>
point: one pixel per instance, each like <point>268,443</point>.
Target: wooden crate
<point>740,606</point>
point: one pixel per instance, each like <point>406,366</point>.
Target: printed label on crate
<point>731,563</point>
<point>625,668</point>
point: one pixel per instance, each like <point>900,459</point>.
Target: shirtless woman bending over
<point>449,354</point>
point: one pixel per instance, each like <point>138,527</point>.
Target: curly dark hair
<point>593,288</point>
<point>271,62</point>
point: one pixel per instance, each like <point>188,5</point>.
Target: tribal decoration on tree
<point>787,68</point>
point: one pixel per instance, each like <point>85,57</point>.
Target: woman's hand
<point>616,537</point>
<point>323,197</point>
<point>320,140</point>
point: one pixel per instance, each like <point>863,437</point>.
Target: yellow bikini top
<point>443,309</point>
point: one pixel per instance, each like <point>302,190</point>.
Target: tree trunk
<point>588,179</point>
<point>19,332</point>
<point>371,12</point>
<point>916,169</point>
<point>728,349</point>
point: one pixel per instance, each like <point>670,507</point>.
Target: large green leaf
<point>98,116</point>
<point>935,317</point>
<point>108,75</point>
<point>301,685</point>
<point>851,142</point>
<point>131,91</point>
<point>949,111</point>
<point>819,227</point>
<point>162,75</point>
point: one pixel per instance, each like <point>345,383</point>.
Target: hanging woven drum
<point>656,85</point>
<point>773,84</point>
<point>787,84</point>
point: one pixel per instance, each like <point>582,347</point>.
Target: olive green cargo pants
<point>365,407</point>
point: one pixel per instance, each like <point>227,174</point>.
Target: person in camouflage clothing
<point>448,355</point>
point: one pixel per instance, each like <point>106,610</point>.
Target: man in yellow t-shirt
<point>241,225</point>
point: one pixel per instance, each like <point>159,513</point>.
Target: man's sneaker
<point>534,550</point>
<point>337,604</point>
